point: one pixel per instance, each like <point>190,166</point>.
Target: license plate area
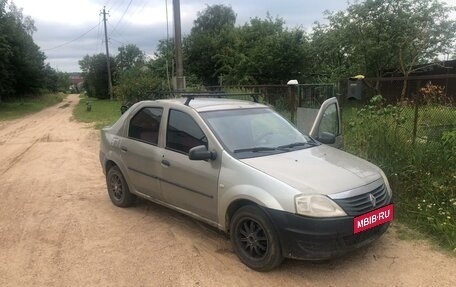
<point>373,218</point>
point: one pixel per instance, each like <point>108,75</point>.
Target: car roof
<point>202,104</point>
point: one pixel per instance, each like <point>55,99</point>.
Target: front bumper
<point>311,238</point>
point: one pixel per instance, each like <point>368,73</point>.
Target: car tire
<point>118,188</point>
<point>254,239</point>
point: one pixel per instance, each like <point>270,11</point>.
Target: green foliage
<point>103,112</point>
<point>55,81</point>
<point>449,145</point>
<point>161,66</point>
<point>63,81</point>
<point>373,37</point>
<point>136,84</point>
<point>369,129</point>
<point>22,67</point>
<point>423,175</point>
<point>18,108</point>
<point>129,56</point>
<point>211,34</point>
<point>261,51</point>
<point>273,54</point>
<point>95,73</point>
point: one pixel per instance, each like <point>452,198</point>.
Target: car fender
<point>239,181</point>
<point>111,152</point>
<point>245,192</point>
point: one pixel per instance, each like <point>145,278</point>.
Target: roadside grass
<point>25,106</point>
<point>422,175</point>
<point>103,112</point>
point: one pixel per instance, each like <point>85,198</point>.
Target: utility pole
<point>108,64</point>
<point>180,79</point>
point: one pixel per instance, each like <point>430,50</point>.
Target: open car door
<point>326,127</point>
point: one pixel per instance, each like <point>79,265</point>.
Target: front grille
<point>360,204</point>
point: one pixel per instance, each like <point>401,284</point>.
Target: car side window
<point>144,126</point>
<point>183,133</point>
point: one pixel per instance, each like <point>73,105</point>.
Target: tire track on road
<point>17,158</point>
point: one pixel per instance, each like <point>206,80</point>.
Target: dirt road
<point>58,228</point>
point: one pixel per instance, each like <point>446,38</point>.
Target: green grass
<point>103,112</point>
<point>17,109</point>
<point>422,175</point>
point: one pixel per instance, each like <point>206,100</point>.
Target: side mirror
<point>123,109</point>
<point>201,153</point>
<point>326,138</point>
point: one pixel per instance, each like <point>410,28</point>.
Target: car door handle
<point>124,148</point>
<point>165,163</point>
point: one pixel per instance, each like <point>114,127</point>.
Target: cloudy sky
<point>142,22</point>
<point>70,29</point>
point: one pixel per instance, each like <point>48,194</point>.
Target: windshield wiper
<point>255,149</point>
<point>292,145</point>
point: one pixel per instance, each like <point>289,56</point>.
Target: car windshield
<point>255,132</point>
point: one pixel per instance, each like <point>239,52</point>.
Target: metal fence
<point>426,105</point>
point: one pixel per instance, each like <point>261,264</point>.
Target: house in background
<point>76,82</point>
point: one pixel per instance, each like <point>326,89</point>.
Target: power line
<point>116,3</point>
<point>141,5</point>
<point>123,14</point>
<point>99,43</point>
<point>115,40</point>
<point>118,33</point>
<point>75,39</point>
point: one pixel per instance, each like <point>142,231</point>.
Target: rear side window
<point>144,126</point>
<point>183,133</point>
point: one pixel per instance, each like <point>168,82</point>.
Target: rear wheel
<point>254,239</point>
<point>118,189</point>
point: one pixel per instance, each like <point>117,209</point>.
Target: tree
<point>210,34</point>
<point>429,33</point>
<point>135,84</point>
<point>129,56</point>
<point>21,61</point>
<point>329,54</point>
<point>95,73</point>
<point>375,37</point>
<point>261,51</point>
<point>271,53</point>
<point>161,65</point>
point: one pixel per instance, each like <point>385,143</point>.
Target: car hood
<point>321,169</point>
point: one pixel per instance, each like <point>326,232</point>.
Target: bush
<point>137,84</point>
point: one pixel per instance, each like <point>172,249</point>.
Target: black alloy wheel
<point>254,239</point>
<point>118,189</point>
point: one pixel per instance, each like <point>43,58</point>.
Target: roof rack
<point>191,96</point>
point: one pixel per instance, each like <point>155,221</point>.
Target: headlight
<point>388,188</point>
<point>317,206</point>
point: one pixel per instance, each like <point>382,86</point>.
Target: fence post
<point>292,96</point>
<point>415,116</point>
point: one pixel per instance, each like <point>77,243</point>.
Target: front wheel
<point>254,239</point>
<point>118,189</point>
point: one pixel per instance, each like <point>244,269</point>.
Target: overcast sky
<point>143,22</point>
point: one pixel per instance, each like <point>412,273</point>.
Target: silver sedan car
<point>241,167</point>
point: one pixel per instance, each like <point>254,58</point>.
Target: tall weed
<point>422,172</point>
